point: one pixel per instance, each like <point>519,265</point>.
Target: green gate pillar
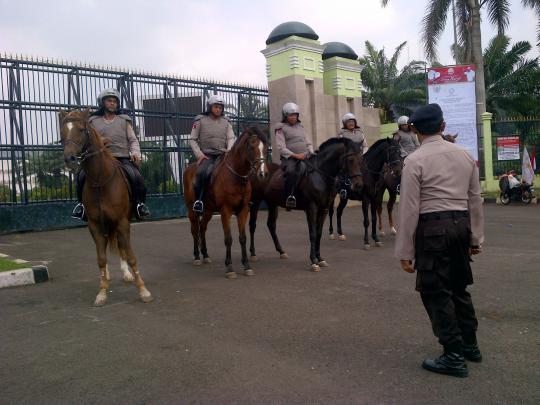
<point>490,184</point>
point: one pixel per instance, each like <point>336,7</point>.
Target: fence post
<point>490,184</point>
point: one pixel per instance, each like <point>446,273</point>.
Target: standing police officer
<point>293,147</point>
<point>405,137</point>
<point>117,129</point>
<point>440,227</point>
<point>211,136</point>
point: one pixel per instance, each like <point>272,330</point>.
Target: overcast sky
<point>215,39</point>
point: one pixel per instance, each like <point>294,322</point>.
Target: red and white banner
<point>508,148</point>
<point>452,87</point>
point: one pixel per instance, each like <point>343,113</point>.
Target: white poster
<point>452,87</point>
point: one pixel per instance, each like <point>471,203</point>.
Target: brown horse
<point>229,193</point>
<point>105,197</point>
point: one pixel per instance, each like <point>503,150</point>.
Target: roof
<point>340,49</point>
<point>291,28</point>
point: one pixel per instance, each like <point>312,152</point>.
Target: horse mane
<point>333,141</point>
<point>249,132</point>
<point>377,145</point>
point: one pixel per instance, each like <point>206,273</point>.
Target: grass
<point>7,265</point>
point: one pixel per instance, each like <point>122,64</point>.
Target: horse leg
<point>241,218</point>
<point>340,208</point>
<point>312,226</point>
<point>271,224</point>
<point>124,244</point>
<point>253,213</point>
<point>207,216</point>
<point>226,222</point>
<point>195,226</point>
<point>390,208</point>
<point>379,215</point>
<point>374,235</point>
<point>128,277</point>
<point>101,248</point>
<point>321,215</point>
<point>365,204</point>
<point>331,217</point>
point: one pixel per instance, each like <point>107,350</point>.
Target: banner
<point>508,148</point>
<point>527,172</point>
<point>452,87</point>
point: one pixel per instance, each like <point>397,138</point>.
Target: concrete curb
<point>33,275</point>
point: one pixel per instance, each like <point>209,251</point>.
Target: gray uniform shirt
<point>408,142</point>
<point>119,131</point>
<point>439,176</point>
<point>356,135</point>
<point>211,135</point>
<point>291,139</point>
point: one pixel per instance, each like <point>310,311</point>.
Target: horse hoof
<point>284,256</point>
<point>207,260</point>
<point>378,244</point>
<point>253,258</point>
<point>146,297</point>
<point>367,247</point>
<point>197,262</point>
<point>101,299</point>
<point>342,237</point>
<point>128,278</point>
<point>323,263</point>
<point>231,275</point>
<point>382,234</point>
<point>249,272</point>
<point>393,231</point>
<point>316,268</point>
<point>332,236</point>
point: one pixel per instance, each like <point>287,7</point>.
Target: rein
<point>245,178</point>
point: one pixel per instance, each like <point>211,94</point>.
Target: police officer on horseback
<point>294,147</point>
<point>120,139</point>
<point>406,138</point>
<point>211,136</point>
<point>352,130</point>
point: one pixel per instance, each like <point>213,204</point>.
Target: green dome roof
<point>340,49</point>
<point>290,28</point>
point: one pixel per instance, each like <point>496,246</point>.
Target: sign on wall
<point>508,148</point>
<point>452,87</point>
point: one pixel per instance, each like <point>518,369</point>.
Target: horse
<point>383,151</point>
<point>229,193</point>
<point>314,192</point>
<point>390,180</point>
<point>105,197</point>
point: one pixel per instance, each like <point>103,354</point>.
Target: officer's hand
<point>475,250</point>
<point>407,266</point>
<point>200,160</point>
<point>136,159</point>
<point>301,156</point>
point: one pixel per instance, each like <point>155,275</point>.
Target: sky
<point>216,40</point>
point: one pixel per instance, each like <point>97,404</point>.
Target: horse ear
<point>61,115</point>
<point>86,112</point>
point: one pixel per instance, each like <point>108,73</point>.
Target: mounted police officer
<point>117,129</point>
<point>406,138</point>
<point>211,136</point>
<point>294,147</point>
<point>352,131</point>
<point>440,228</point>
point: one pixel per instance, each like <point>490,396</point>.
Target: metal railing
<point>162,108</point>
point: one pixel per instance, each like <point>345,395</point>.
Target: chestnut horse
<point>105,197</point>
<point>335,156</point>
<point>229,193</point>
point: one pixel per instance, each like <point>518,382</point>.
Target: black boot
<point>343,194</point>
<point>78,212</point>
<point>142,210</point>
<point>198,207</point>
<point>291,202</point>
<point>449,363</point>
<point>470,348</point>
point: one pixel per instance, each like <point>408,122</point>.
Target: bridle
<point>256,161</point>
<point>85,153</point>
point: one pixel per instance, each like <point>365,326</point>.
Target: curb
<point>33,275</point>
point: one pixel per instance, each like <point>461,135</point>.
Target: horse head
<point>256,150</point>
<point>74,136</point>
<point>450,138</point>
<point>342,157</point>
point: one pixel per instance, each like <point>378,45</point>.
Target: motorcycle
<point>523,192</point>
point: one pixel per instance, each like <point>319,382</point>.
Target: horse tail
<point>112,239</point>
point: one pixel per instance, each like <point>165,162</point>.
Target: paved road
<point>354,333</point>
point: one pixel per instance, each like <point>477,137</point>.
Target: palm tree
<point>469,35</point>
<point>512,80</point>
<point>395,93</point>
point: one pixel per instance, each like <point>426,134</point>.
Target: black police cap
<point>427,119</point>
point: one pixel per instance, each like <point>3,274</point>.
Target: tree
<point>395,93</point>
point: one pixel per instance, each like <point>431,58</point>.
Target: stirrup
<point>291,202</point>
<point>343,194</point>
<point>142,210</point>
<point>78,211</point>
<point>198,207</point>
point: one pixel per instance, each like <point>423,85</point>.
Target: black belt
<point>430,216</point>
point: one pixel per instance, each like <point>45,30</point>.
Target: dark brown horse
<point>105,197</point>
<point>316,189</point>
<point>229,193</point>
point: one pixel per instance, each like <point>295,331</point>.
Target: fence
<point>528,131</point>
<point>162,108</point>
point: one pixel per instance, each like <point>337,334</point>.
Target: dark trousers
<point>293,170</point>
<point>204,175</point>
<point>136,181</point>
<point>443,273</point>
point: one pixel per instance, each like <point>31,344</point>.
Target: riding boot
<point>79,211</point>
<point>290,185</point>
<point>198,205</point>
<point>202,179</point>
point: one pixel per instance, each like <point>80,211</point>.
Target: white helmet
<point>215,99</point>
<point>348,117</point>
<point>290,108</point>
<point>403,120</point>
<point>108,93</point>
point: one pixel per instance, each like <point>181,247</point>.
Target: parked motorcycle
<point>523,192</point>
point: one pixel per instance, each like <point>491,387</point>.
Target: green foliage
<point>5,193</point>
<point>153,168</point>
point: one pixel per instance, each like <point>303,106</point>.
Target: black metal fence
<point>528,131</point>
<point>161,106</point>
